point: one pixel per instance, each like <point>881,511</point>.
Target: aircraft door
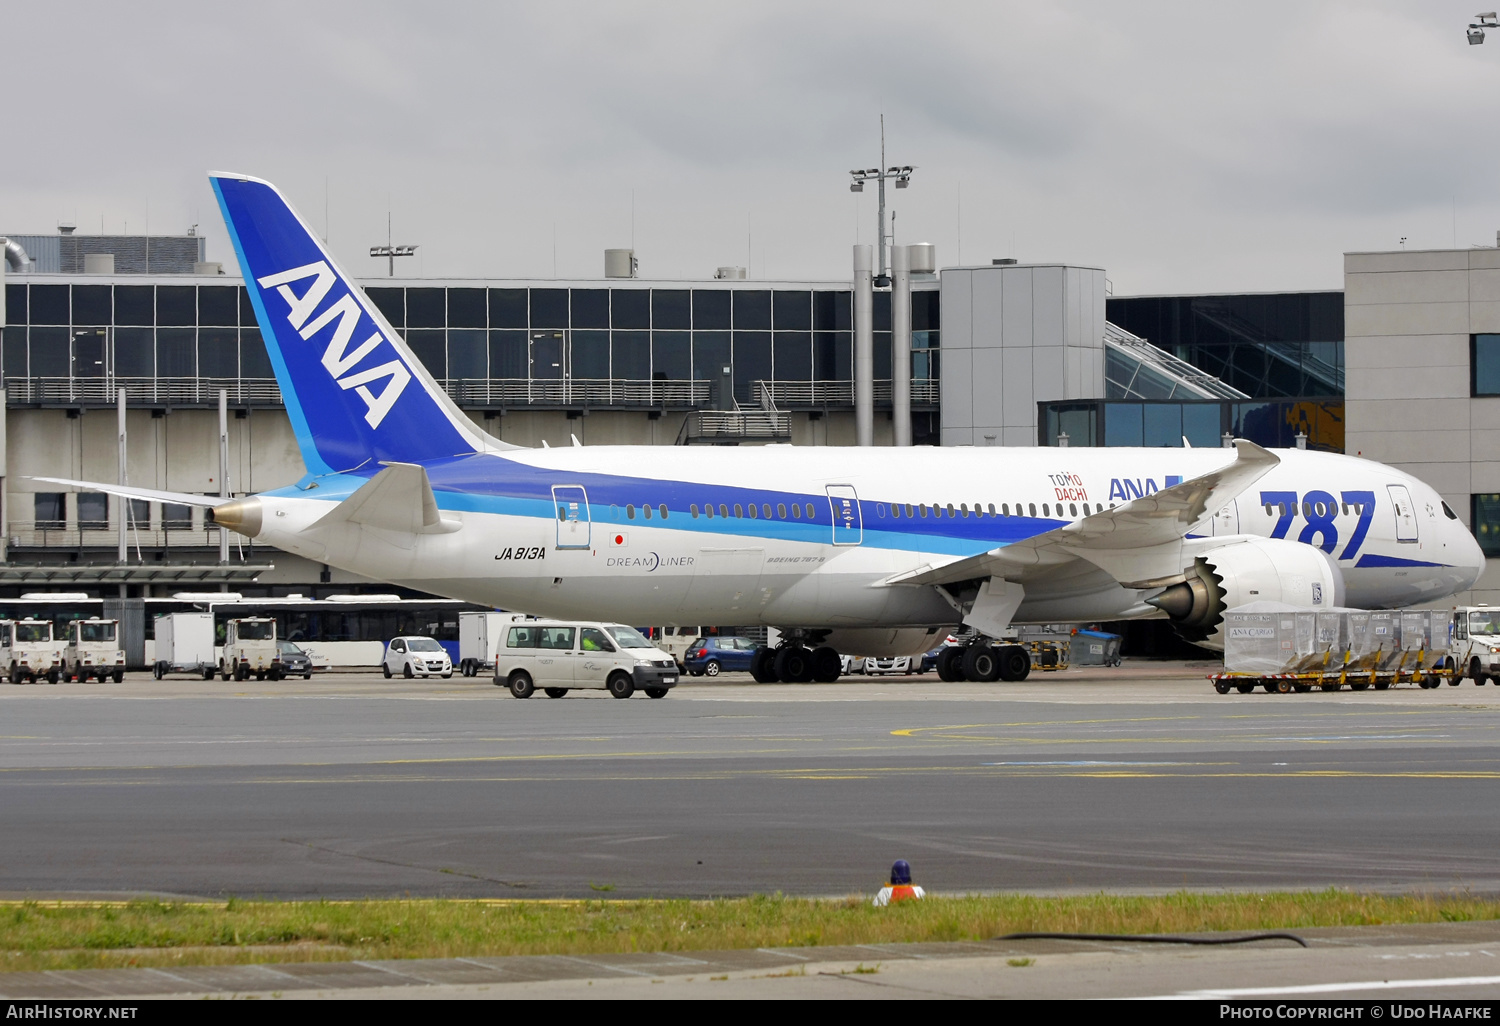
<point>574,525</point>
<point>848,525</point>
<point>1227,519</point>
<point>1406,514</point>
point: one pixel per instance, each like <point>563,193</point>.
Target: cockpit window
<point>1448,512</point>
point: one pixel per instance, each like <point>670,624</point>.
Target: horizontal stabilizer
<point>1135,542</point>
<point>399,498</point>
<point>152,494</point>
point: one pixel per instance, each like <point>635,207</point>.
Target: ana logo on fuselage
<point>337,358</point>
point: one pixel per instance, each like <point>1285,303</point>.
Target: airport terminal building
<point>1001,354</point>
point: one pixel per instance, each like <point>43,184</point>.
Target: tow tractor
<point>94,651</point>
<point>34,653</point>
<point>250,647</point>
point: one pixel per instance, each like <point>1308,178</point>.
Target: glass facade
<point>1271,423</point>
<point>163,337</point>
<point>1267,346</point>
<point>1485,523</point>
<point>1484,365</point>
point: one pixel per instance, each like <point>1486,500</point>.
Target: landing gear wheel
<point>981,663</point>
<point>950,664</point>
<point>1015,663</point>
<point>385,669</point>
<point>794,664</point>
<point>657,692</point>
<point>762,665</point>
<point>620,686</point>
<point>826,665</point>
<point>520,684</point>
<point>1244,689</point>
<point>556,692</point>
<point>711,668</point>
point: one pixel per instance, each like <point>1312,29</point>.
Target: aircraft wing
<point>156,494</point>
<point>1137,542</point>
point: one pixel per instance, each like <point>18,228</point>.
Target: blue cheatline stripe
<point>1389,561</point>
<point>491,484</point>
<point>305,441</point>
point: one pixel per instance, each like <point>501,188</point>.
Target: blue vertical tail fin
<point>355,393</point>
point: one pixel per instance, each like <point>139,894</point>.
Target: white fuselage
<point>565,532</point>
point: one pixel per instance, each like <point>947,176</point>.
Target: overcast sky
<point>1184,147</point>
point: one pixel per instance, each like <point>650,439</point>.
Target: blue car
<point>708,656</point>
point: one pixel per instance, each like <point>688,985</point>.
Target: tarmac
<point>1137,779</point>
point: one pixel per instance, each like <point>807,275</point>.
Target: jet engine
<point>1244,570</point>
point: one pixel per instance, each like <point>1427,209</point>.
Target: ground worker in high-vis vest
<point>901,888</point>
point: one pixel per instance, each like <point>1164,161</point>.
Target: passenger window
<point>765,510</point>
<point>992,509</point>
<point>708,510</point>
<point>557,638</point>
<point>922,509</point>
<point>963,508</point>
<point>661,510</point>
<point>1268,509</point>
<point>562,513</point>
<point>739,510</point>
<point>753,512</point>
<point>521,637</point>
<point>693,509</point>
<point>1005,509</point>
<point>796,512</point>
<point>951,510</point>
<point>1033,509</point>
<point>593,640</point>
<point>646,510</point>
<point>1073,509</point>
<point>781,511</point>
<point>629,511</point>
<point>396,646</point>
<point>810,512</point>
<point>1046,510</point>
<point>723,510</point>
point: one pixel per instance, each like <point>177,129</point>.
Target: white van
<point>559,655</point>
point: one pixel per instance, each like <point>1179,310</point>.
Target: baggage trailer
<point>185,644</point>
<point>1286,650</point>
<point>479,636</point>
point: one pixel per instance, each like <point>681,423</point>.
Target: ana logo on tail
<point>337,358</point>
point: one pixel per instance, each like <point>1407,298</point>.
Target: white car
<point>892,664</point>
<point>416,657</point>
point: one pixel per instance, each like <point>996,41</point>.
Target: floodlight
<point>1476,35</point>
<point>856,186</point>
<point>902,183</point>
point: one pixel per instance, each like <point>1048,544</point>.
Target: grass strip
<point>80,935</point>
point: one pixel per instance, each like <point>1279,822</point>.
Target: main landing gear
<point>794,663</point>
<point>982,662</point>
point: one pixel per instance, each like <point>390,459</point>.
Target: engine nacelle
<point>1243,570</point>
